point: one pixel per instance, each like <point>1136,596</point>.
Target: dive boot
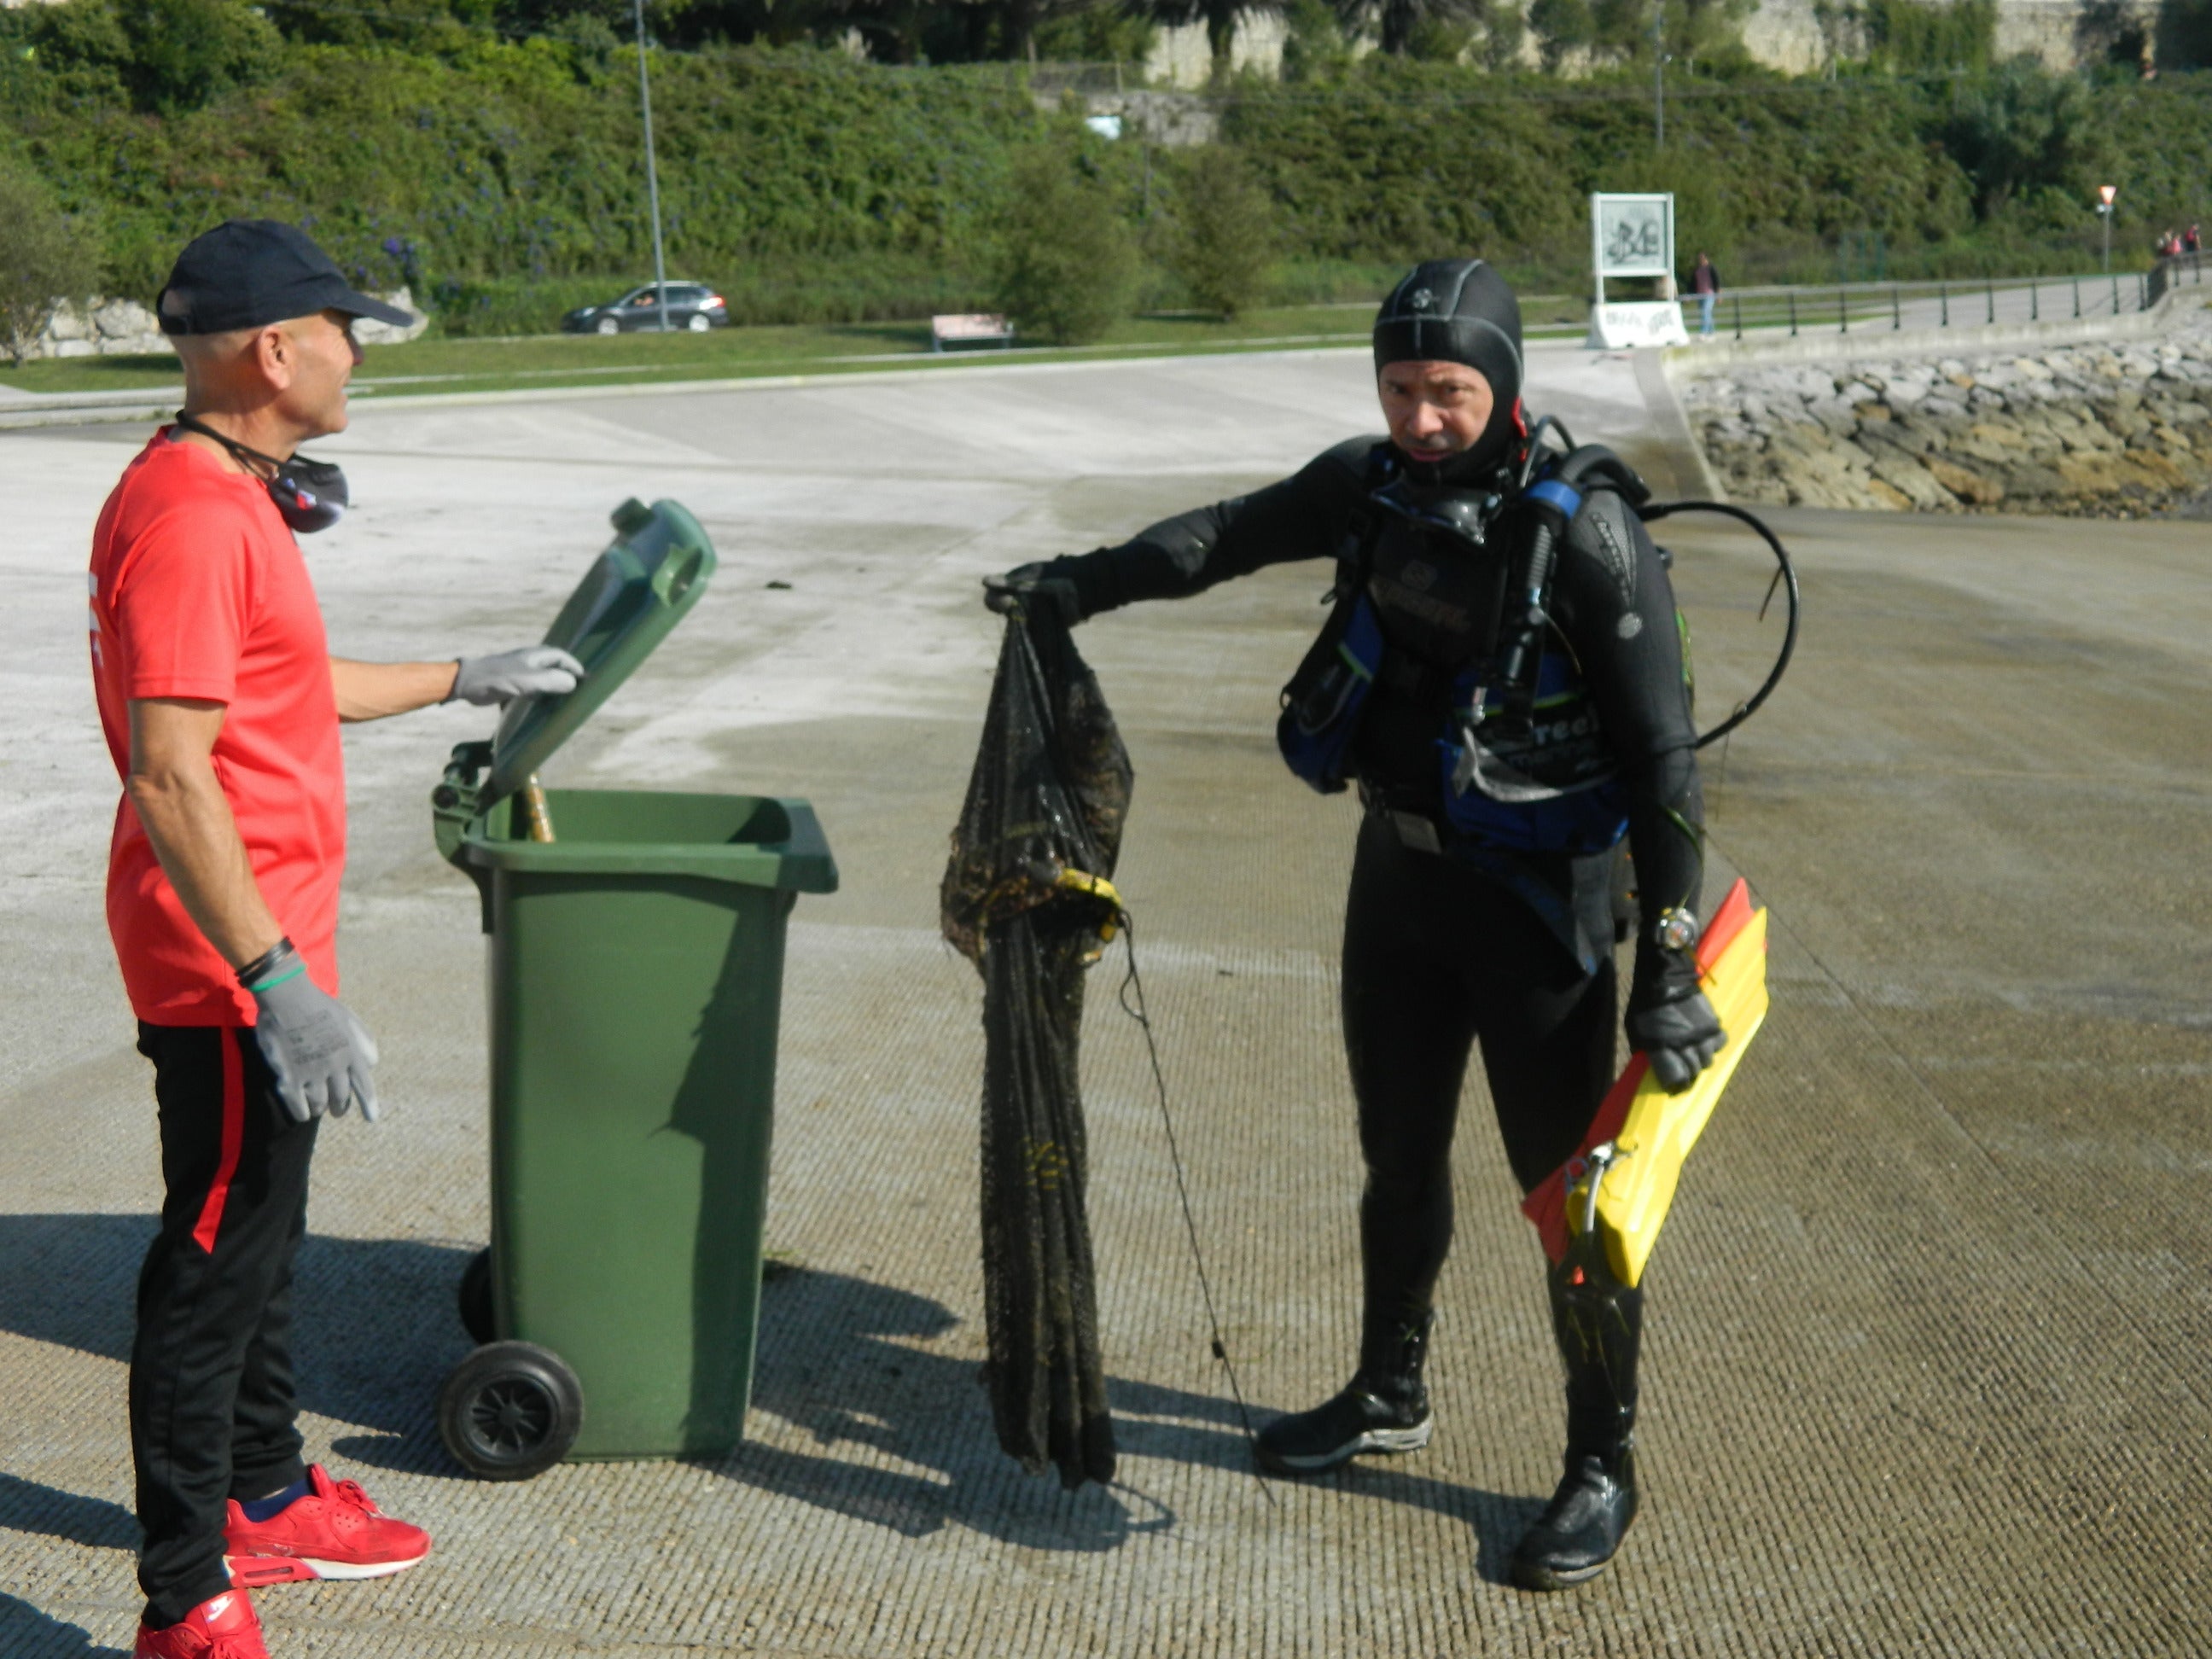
<point>1384,1408</point>
<point>1599,1323</point>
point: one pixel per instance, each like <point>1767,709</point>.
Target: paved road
<point>1926,1368</point>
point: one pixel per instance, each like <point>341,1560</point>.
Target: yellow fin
<point>1636,1189</point>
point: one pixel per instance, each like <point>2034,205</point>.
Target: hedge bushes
<point>812,188</point>
<point>520,160</point>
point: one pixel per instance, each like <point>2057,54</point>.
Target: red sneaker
<point>224,1628</point>
<point>334,1532</point>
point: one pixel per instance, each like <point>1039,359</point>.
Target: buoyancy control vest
<point>1433,598</point>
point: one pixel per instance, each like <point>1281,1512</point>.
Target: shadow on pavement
<point>27,1633</point>
<point>837,1362</point>
<point>376,1327</point>
<point>28,1506</point>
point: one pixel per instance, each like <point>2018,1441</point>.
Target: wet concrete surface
<point>1925,1363</point>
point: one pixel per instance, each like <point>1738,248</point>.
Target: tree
<point>1224,238</point>
<point>416,25</point>
<point>1623,30</point>
<point>2182,34</point>
<point>2112,31</point>
<point>1560,26</point>
<point>1505,27</point>
<point>43,260</point>
<point>2018,125</point>
<point>162,57</point>
<point>1315,43</point>
<point>1066,258</point>
<point>1905,36</point>
<point>1400,20</point>
<point>187,54</point>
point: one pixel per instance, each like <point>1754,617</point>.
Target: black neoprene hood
<point>1454,311</point>
<point>1459,310</point>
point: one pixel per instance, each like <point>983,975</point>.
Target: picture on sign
<point>1635,235</point>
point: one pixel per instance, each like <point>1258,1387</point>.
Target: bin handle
<point>675,577</point>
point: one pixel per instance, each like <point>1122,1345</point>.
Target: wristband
<point>271,967</point>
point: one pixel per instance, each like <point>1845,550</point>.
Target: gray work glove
<point>321,1055</point>
<point>1032,584</point>
<point>1681,1037</point>
<point>534,670</point>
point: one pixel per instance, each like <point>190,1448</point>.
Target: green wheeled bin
<point>635,946</point>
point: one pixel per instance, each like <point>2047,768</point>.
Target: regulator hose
<point>1786,575</point>
<point>1551,504</point>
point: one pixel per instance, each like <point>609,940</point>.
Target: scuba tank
<point>1551,503</point>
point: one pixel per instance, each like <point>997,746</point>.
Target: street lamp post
<point>1659,75</point>
<point>652,175</point>
<point>2104,195</point>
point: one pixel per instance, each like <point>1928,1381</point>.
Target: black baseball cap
<point>246,272</point>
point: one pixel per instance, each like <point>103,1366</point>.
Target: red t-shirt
<point>198,590</point>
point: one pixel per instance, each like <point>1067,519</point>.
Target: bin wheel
<point>476,1298</point>
<point>510,1411</point>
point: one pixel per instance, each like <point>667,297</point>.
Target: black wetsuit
<point>1512,948</point>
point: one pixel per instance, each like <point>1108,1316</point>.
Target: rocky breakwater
<point>2101,430</point>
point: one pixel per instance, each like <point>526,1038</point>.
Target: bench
<point>974,327</point>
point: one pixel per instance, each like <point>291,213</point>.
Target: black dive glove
<point>1676,1029</point>
<point>1033,584</point>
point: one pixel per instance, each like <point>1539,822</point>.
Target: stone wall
<point>1788,35</point>
<point>1799,37</point>
<point>116,328</point>
<point>2114,429</point>
<point>1182,54</point>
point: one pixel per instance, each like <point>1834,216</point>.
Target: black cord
<point>1129,983</point>
<point>1785,573</point>
<point>1537,452</point>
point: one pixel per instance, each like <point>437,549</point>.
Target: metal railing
<point>1972,302</point>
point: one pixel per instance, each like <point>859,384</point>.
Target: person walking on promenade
<point>221,706</point>
<point>1705,283</point>
<point>1482,904</point>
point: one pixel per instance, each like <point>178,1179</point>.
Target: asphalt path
<point>1925,1365</point>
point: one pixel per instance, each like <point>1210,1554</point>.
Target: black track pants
<point>1437,957</point>
<point>212,1395</point>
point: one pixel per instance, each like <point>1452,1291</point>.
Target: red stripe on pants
<point>233,1132</point>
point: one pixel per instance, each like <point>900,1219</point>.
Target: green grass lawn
<point>558,360</point>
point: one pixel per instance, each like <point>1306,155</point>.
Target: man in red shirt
<point>220,703</point>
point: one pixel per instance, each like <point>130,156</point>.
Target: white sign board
<point>1632,236</point>
<point>1623,326</point>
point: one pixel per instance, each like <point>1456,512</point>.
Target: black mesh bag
<point>1025,899</point>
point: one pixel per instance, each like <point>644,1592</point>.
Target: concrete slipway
<point>1927,1370</point>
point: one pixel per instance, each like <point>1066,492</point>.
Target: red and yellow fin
<point>1650,1131</point>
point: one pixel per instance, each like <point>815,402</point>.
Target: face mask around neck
<point>310,495</point>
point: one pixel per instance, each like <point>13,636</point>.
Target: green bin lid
<point>634,593</point>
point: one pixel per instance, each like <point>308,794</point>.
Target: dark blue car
<point>690,304</point>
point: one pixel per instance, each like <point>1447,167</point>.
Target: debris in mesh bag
<point>1028,899</point>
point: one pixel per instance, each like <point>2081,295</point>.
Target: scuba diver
<point>1502,679</point>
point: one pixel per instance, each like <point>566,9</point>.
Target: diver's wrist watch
<point>1676,930</point>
